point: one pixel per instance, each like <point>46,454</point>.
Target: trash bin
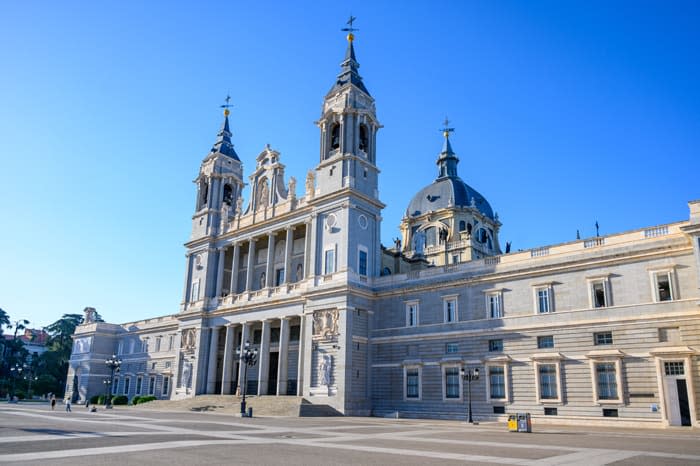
<point>524,423</point>
<point>512,423</point>
<point>250,411</point>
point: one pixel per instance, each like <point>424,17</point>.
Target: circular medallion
<point>362,221</point>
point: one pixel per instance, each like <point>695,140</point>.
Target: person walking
<point>68,410</point>
<point>53,402</point>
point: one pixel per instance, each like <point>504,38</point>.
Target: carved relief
<point>325,323</point>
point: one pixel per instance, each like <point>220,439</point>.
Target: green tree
<point>55,361</point>
<point>4,320</point>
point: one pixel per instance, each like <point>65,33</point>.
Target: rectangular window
<point>663,286</point>
<point>194,295</point>
<point>279,277</point>
<point>670,334</point>
<point>144,346</point>
<point>411,314</point>
<point>674,368</point>
<point>363,262</point>
<point>139,382</point>
<point>115,384</point>
<point>257,337</point>
<point>494,302</point>
<point>167,364</point>
<point>606,380</point>
<point>158,340</point>
<point>412,382</point>
<point>455,259</point>
<point>602,338</point>
<point>151,385</point>
<point>550,411</point>
<point>294,332</point>
<point>450,310</point>
<point>609,412</point>
<point>499,410</point>
<point>546,341</point>
<point>451,348</point>
<point>598,295</point>
<point>497,382</point>
<point>120,348</point>
<point>171,339</point>
<point>547,374</point>
<point>127,383</point>
<point>329,262</point>
<point>166,386</point>
<point>543,302</point>
<point>495,345</point>
<point>452,382</point>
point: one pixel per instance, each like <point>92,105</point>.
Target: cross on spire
<point>446,130</point>
<point>227,105</point>
<point>350,29</point>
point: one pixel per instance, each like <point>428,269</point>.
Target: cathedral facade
<point>598,330</point>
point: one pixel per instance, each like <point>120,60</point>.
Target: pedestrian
<point>68,405</point>
<point>53,402</point>
<point>87,402</point>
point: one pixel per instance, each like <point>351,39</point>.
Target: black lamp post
<point>16,372</point>
<point>113,364</point>
<point>249,357</point>
<point>470,375</point>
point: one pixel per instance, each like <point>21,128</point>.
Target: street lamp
<point>113,364</point>
<point>16,372</point>
<point>249,357</point>
<point>470,375</point>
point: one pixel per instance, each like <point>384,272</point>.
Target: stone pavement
<point>31,434</point>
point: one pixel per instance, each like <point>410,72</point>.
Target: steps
<point>286,406</point>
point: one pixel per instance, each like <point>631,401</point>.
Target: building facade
<point>605,329</point>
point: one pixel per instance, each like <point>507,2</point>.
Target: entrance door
<point>272,374</point>
<point>683,402</point>
<point>676,394</point>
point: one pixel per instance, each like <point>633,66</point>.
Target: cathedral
<point>442,323</point>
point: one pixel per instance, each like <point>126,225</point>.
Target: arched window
<point>203,193</point>
<point>462,225</point>
<point>228,194</point>
<point>335,136</point>
<point>364,138</point>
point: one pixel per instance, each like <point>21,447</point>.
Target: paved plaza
<point>33,434</point>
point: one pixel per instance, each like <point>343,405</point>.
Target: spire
<point>349,67</point>
<point>447,160</point>
<point>223,143</point>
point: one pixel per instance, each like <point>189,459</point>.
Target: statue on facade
<point>186,377</point>
<point>264,200</point>
<point>90,313</point>
<point>397,244</point>
<point>300,272</point>
<point>292,188</point>
<point>262,280</point>
<point>239,206</point>
<point>324,370</point>
<point>310,178</point>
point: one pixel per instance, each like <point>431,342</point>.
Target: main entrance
<point>272,374</point>
<point>676,394</point>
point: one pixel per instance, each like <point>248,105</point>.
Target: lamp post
<point>113,364</point>
<point>248,357</point>
<point>16,372</point>
<point>470,375</point>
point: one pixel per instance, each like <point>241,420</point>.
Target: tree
<point>61,332</point>
<point>20,324</point>
<point>4,320</point>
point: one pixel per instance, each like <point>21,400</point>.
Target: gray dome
<point>444,192</point>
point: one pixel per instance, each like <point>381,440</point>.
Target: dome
<point>447,192</point>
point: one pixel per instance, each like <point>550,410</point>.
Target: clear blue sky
<point>565,113</point>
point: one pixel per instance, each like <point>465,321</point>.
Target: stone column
<point>283,358</point>
<point>270,269</point>
<point>289,248</point>
<point>229,357</point>
<point>245,336</point>
<point>310,249</point>
<point>251,265</point>
<point>188,274</point>
<point>220,272</point>
<point>264,358</point>
<point>234,268</point>
<point>303,356</point>
<point>211,368</point>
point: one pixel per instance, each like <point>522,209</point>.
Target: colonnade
<point>225,374</point>
<point>237,246</point>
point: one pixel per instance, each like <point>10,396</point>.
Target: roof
<point>447,192</point>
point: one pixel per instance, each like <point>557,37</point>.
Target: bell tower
<point>348,126</point>
<point>219,185</point>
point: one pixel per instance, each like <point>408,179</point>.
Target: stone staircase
<point>286,406</point>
